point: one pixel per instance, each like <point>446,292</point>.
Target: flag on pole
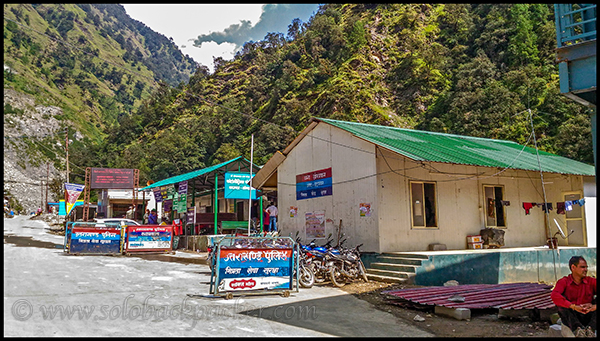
<point>72,192</point>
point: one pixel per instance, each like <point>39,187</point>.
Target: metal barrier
<point>575,23</point>
<point>83,238</point>
<point>148,238</point>
<point>254,265</point>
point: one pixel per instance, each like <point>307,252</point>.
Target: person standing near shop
<point>574,295</point>
<point>254,213</point>
<point>265,221</point>
<point>153,218</point>
<point>272,211</point>
<point>129,213</point>
<point>146,216</point>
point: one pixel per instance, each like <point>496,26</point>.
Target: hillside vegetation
<point>77,57</point>
<point>469,69</point>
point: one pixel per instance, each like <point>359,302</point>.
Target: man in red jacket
<point>574,295</point>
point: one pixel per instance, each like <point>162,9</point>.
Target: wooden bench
<point>228,225</point>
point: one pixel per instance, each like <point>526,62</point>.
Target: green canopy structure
<point>206,181</point>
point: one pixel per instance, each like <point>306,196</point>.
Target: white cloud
<point>183,22</point>
<point>217,29</point>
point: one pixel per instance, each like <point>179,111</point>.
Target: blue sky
<point>204,31</point>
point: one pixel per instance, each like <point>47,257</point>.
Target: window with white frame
<point>495,215</point>
<point>423,204</point>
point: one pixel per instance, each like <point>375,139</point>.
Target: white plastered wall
<point>353,175</point>
<point>460,203</point>
<point>589,192</point>
<point>460,209</point>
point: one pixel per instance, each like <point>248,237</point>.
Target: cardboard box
<point>437,247</point>
<point>474,239</point>
<point>475,245</point>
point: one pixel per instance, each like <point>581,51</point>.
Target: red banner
<point>316,175</point>
<point>72,192</point>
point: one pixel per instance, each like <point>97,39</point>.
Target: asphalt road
<point>50,293</point>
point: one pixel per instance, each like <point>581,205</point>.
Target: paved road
<point>50,293</point>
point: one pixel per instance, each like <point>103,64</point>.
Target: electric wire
<point>546,209</point>
<point>203,98</point>
<point>50,150</point>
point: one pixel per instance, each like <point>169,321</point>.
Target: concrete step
<point>394,267</point>
<point>405,255</point>
<point>388,273</point>
<point>387,279</point>
<point>399,260</point>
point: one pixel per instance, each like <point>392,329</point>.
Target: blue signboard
<point>183,187</point>
<point>95,240</point>
<point>237,187</point>
<point>157,195</point>
<point>314,193</point>
<point>314,184</point>
<point>149,238</point>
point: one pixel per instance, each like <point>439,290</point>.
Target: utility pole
<point>42,192</point>
<point>47,177</point>
<point>67,147</point>
<point>250,184</point>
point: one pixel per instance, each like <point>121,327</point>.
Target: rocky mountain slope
<point>467,69</point>
<point>82,66</point>
<point>23,170</point>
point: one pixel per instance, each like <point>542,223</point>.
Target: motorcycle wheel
<point>320,277</point>
<point>336,277</point>
<point>363,271</point>
<point>306,277</point>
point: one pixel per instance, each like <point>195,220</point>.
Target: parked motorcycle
<point>321,258</point>
<point>347,267</point>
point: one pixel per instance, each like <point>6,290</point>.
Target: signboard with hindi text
<point>314,184</point>
<point>112,178</point>
<point>237,187</point>
<point>88,239</point>
<point>255,269</point>
<point>149,238</point>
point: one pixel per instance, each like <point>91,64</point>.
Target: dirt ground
<point>483,322</point>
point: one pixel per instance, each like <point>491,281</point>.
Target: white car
<point>120,221</point>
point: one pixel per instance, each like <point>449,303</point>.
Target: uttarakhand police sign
<point>237,187</point>
<point>149,238</point>
<point>255,269</point>
<point>101,240</point>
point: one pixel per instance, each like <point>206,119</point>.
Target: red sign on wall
<point>112,178</point>
<point>316,175</point>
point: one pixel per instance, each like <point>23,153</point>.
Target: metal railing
<point>575,23</point>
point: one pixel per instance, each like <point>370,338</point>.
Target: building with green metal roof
<point>395,189</point>
<point>206,190</point>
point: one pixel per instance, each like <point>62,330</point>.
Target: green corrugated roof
<point>196,173</point>
<point>465,150</point>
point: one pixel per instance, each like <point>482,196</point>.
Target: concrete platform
<point>493,266</point>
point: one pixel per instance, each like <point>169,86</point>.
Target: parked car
<point>120,221</point>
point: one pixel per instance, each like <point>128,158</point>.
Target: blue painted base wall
<point>537,265</point>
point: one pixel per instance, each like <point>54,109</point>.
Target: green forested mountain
<point>470,69</point>
<point>91,60</point>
